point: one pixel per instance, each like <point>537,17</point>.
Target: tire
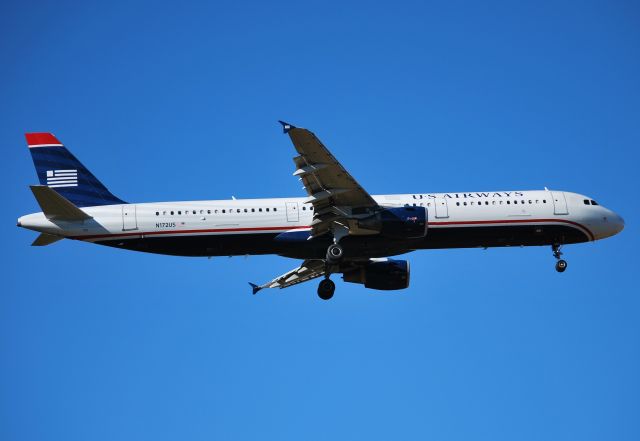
<point>326,288</point>
<point>561,265</point>
<point>334,253</point>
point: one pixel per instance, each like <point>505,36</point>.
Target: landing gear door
<point>559,203</point>
<point>442,210</point>
<point>292,212</point>
<point>129,220</point>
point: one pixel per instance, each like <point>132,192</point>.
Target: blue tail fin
<point>60,170</point>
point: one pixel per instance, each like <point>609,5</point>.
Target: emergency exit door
<point>292,212</point>
<point>129,219</point>
<point>442,209</point>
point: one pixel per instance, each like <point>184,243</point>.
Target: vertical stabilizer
<point>57,168</point>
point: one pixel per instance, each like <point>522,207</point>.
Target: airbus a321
<point>338,228</point>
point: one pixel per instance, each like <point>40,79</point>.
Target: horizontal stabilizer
<point>45,239</point>
<point>56,207</point>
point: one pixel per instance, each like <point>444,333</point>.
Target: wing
<point>332,191</point>
<point>310,269</point>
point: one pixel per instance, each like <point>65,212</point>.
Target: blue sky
<point>180,100</point>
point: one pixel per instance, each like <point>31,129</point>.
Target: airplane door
<point>292,212</point>
<point>129,219</point>
<point>559,203</point>
<point>442,209</point>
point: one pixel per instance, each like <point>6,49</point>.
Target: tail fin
<point>58,168</point>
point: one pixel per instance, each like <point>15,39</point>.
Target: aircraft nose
<point>618,222</point>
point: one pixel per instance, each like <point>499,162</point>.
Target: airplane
<point>339,228</point>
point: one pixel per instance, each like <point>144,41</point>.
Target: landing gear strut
<point>326,289</point>
<point>561,264</point>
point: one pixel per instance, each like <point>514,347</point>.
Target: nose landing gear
<point>561,265</point>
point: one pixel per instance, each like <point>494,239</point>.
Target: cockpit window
<point>586,201</point>
<point>593,202</point>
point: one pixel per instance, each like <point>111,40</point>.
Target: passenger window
<point>180,212</point>
<point>266,209</point>
<point>486,202</point>
<point>458,204</point>
<point>260,210</point>
<point>522,202</point>
<point>172,213</point>
<point>508,202</point>
<point>194,211</point>
<point>275,209</point>
<point>246,211</point>
<point>253,210</point>
<point>157,213</point>
<point>515,202</point>
<point>465,204</point>
<point>164,213</point>
<point>224,211</point>
<point>544,201</point>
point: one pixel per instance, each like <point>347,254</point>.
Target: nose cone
<point>617,222</point>
<point>610,224</point>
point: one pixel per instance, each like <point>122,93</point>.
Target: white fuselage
<point>469,210</point>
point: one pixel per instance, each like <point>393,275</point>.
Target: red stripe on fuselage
<point>248,229</point>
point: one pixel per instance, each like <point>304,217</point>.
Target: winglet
<point>286,126</point>
<point>255,288</point>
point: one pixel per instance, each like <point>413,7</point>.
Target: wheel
<point>334,253</point>
<point>561,265</point>
<point>326,288</point>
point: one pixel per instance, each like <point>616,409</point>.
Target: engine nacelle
<point>398,223</point>
<point>383,274</point>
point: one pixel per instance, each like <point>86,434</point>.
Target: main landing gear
<point>561,265</point>
<point>334,253</point>
<point>326,288</point>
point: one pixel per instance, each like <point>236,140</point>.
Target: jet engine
<point>383,274</point>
